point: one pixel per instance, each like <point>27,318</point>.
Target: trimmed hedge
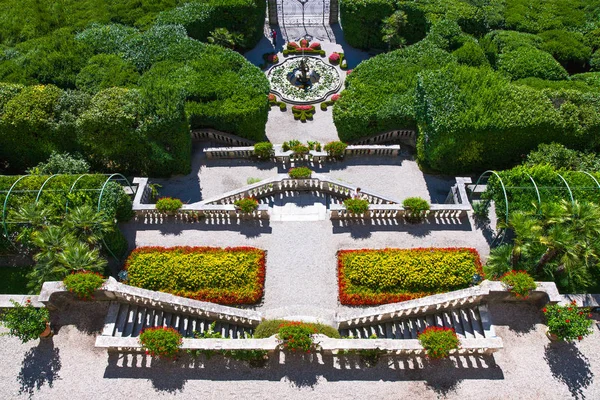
<point>268,328</point>
<point>371,277</point>
<point>233,275</point>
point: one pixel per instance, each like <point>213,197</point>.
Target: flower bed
<point>371,277</point>
<point>329,81</point>
<point>233,275</point>
<point>303,112</point>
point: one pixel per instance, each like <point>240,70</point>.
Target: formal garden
<point>413,182</point>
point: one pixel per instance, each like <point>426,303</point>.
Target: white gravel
<point>528,367</point>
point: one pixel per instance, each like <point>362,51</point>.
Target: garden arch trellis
<point>119,178</point>
<point>535,188</point>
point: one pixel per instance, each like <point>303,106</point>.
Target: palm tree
<point>527,229</point>
<point>79,257</point>
<point>88,225</point>
<point>499,261</point>
<point>31,214</point>
<point>51,241</point>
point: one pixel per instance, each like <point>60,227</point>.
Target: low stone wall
<point>207,134</point>
<point>324,344</point>
<point>5,300</point>
<point>286,157</point>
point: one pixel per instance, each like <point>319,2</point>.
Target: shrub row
<point>233,275</point>
<point>370,277</point>
<point>271,327</point>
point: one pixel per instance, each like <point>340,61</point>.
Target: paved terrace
<point>529,367</point>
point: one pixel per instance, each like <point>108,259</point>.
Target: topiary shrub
<point>168,205</point>
<point>336,149</point>
<point>438,342</point>
<point>356,206</point>
<point>25,322</point>
<point>83,284</point>
<point>530,62</point>
<point>568,322</point>
<point>263,150</point>
<point>334,58</point>
<point>246,205</point>
<point>303,112</point>
<point>161,342</point>
<point>470,54</point>
<point>415,208</point>
<point>300,173</point>
<point>518,282</point>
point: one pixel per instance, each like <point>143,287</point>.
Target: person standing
<point>274,36</point>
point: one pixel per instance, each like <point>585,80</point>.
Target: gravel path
<point>68,366</point>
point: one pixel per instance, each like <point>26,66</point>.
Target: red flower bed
<point>293,44</point>
<point>305,108</point>
<point>272,97</point>
<point>304,43</point>
<point>232,275</point>
<point>315,45</point>
<point>335,97</point>
<point>334,58</point>
<point>383,286</point>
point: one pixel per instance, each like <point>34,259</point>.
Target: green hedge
<point>226,276</point>
<point>361,20</point>
<point>475,119</point>
<point>530,62</point>
<point>380,92</point>
<point>270,327</point>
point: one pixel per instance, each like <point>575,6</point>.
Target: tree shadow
<point>87,316</point>
<point>40,366</point>
<point>569,366</point>
<point>436,379</point>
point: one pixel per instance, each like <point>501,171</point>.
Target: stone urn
<point>551,336</point>
<point>47,332</point>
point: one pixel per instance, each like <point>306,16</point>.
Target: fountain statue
<point>303,76</point>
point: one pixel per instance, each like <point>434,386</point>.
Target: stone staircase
<point>128,320</point>
<point>469,323</point>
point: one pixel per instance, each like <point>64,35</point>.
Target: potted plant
<point>438,342</point>
<point>161,342</point>
<point>168,205</point>
<point>415,208</point>
<point>263,150</point>
<point>518,282</point>
<point>356,206</point>
<point>567,322</point>
<point>300,173</point>
<point>246,205</point>
<point>296,336</point>
<point>83,284</point>
<point>336,149</point>
<point>27,322</point>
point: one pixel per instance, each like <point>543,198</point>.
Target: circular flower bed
<point>329,81</point>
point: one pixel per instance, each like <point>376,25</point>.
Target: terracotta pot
<point>47,332</point>
<point>551,336</point>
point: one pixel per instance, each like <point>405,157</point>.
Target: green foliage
<point>25,321</point>
<point>530,62</point>
<point>247,204</point>
<point>168,205</point>
<point>222,37</point>
<point>13,280</point>
<point>296,336</point>
<point>224,276</point>
<point>356,206</point>
<point>104,71</point>
<point>255,358</point>
<point>303,112</point>
<point>391,29</point>
<point>161,342</point>
<point>61,163</point>
<point>336,149</point>
<point>116,243</point>
<point>568,322</point>
<point>415,208</point>
<point>300,173</point>
<point>362,21</point>
<point>438,342</point>
<point>268,328</point>
<point>560,157</point>
<point>568,48</point>
<point>263,149</point>
<point>519,282</point>
<point>368,277</point>
<point>83,284</point>
<point>470,54</point>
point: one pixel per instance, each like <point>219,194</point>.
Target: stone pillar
<point>272,11</point>
<point>334,8</point>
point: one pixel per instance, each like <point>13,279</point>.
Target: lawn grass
<point>371,277</point>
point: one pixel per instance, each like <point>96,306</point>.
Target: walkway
<point>68,366</point>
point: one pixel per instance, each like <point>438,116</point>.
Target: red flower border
<point>214,295</point>
<point>355,299</point>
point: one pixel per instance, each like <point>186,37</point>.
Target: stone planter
<point>551,336</point>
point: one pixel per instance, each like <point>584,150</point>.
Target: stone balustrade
<point>213,135</point>
<point>324,344</point>
<point>406,135</point>
<point>190,213</point>
<point>114,290</point>
<point>286,157</point>
<point>396,211</point>
<point>5,300</point>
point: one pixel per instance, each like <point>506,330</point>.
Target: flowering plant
<point>83,284</point>
<point>568,322</point>
<point>161,342</point>
<point>296,336</point>
<point>304,43</point>
<point>334,58</point>
<point>518,282</point>
<point>25,322</point>
<point>247,204</point>
<point>315,45</point>
<point>292,46</point>
<point>272,97</point>
<point>438,342</point>
<point>335,97</point>
<point>273,58</point>
<point>168,204</point>
<point>300,173</point>
<point>349,72</point>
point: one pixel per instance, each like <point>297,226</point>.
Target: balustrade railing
<point>218,136</point>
